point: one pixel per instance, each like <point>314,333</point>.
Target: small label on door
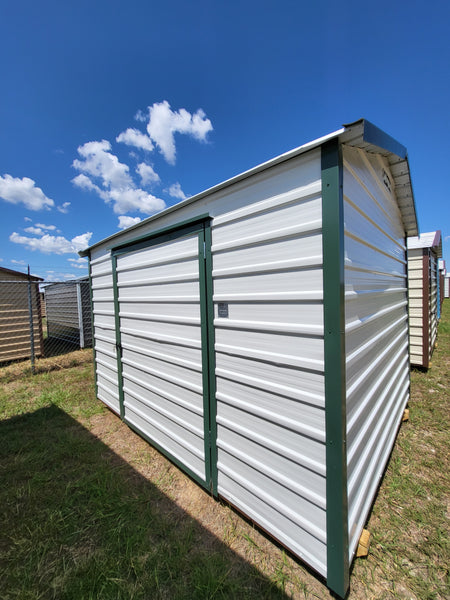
<point>222,308</point>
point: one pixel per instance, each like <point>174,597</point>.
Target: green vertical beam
<point>208,369</point>
<point>118,335</point>
<point>335,385</point>
<point>211,356</point>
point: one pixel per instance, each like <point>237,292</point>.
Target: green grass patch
<point>89,510</point>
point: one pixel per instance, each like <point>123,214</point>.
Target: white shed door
<point>158,299</point>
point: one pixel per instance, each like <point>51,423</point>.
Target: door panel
<point>162,333</point>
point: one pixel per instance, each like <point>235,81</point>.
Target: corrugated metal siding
<point>61,304</point>
<point>267,272</point>
<point>15,342</point>
<point>160,325</point>
<point>415,296</point>
<point>433,314</point>
<point>447,287</point>
<point>377,366</point>
<point>86,318</point>
<point>104,329</point>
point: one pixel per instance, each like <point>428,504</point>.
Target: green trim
<point>334,355</point>
<point>118,335</point>
<point>211,357</point>
<point>167,233</point>
<point>166,453</point>
<point>91,294</point>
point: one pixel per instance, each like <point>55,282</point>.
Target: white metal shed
<point>68,311</point>
<point>257,334</point>
<point>423,291</point>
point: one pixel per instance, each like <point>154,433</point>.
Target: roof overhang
<point>363,134</point>
<point>360,134</point>
<point>431,239</point>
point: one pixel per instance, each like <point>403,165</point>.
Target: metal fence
<point>43,319</point>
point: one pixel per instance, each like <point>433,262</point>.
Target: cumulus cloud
<point>64,208</point>
<point>18,262</point>
<point>125,221</point>
<point>50,244</point>
<point>116,184</point>
<point>176,192</point>
<point>78,263</point>
<point>134,137</point>
<point>55,276</point>
<point>39,228</point>
<point>163,123</point>
<point>24,191</point>
<point>147,174</point>
<point>48,227</point>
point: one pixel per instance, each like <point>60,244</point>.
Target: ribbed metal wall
<point>415,296</point>
<point>433,311</point>
<point>268,295</point>
<point>104,329</point>
<point>377,365</point>
<point>160,326</point>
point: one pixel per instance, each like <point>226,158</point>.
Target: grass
<point>89,510</point>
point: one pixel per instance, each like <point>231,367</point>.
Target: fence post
<point>30,311</point>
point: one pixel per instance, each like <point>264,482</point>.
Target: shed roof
<point>18,274</point>
<point>431,239</point>
<point>360,134</point>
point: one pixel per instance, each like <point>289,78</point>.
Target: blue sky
<point>112,110</point>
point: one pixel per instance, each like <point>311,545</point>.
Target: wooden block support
<point>364,543</point>
<point>406,415</point>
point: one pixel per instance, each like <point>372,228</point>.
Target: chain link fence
<point>40,319</point>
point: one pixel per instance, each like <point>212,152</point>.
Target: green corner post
<point>334,350</point>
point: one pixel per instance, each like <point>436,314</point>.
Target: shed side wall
<point>415,297</point>
<point>377,362</point>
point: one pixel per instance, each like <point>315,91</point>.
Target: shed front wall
<point>268,281</point>
<point>268,323</point>
<point>376,327</point>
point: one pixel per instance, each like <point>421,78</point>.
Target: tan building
<point>17,293</point>
<point>423,254</point>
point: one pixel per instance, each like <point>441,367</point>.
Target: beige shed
<point>20,304</point>
<point>423,285</point>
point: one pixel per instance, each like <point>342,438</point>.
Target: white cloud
<point>176,192</point>
<point>447,238</point>
<point>125,221</point>
<point>147,174</point>
<point>24,191</point>
<point>78,263</point>
<point>64,208</point>
<point>134,137</point>
<point>27,219</point>
<point>50,244</point>
<point>55,276</point>
<point>48,227</point>
<point>18,262</point>
<point>118,186</point>
<point>99,162</point>
<point>83,182</point>
<point>163,123</point>
<point>35,230</point>
<point>131,200</point>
